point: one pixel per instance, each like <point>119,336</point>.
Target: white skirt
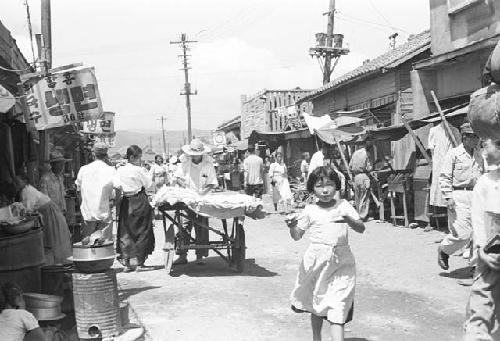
<point>325,283</point>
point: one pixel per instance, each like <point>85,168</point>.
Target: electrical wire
<point>343,16</point>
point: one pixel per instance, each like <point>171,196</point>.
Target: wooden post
<point>47,56</point>
<point>446,126</point>
<point>342,155</point>
<point>418,142</point>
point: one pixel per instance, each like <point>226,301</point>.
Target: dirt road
<point>401,292</point>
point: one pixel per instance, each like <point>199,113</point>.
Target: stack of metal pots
<point>95,292</point>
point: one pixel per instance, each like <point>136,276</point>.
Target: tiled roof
<point>415,45</point>
<point>234,120</point>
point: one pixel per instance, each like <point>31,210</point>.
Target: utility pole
<point>328,46</point>
<point>163,132</point>
<point>187,86</point>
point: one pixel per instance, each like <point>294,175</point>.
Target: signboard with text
<point>59,99</point>
<point>103,126</point>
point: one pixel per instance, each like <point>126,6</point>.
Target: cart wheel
<point>239,252</point>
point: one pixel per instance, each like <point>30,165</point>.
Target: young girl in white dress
<point>327,275</point>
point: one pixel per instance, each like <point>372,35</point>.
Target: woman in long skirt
<point>56,235</point>
<point>135,225</point>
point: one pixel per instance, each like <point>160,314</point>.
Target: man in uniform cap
<point>461,168</point>
<point>95,183</point>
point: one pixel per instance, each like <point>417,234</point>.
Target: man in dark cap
<point>461,168</point>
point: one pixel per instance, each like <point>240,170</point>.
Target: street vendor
<point>361,166</point>
<point>196,172</point>
<point>461,168</point>
<point>158,173</point>
<point>52,179</point>
<point>95,183</point>
<point>56,236</point>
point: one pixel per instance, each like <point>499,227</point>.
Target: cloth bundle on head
<point>466,128</point>
<point>100,147</point>
<point>484,112</point>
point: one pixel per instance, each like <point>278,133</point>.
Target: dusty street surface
<point>401,292</point>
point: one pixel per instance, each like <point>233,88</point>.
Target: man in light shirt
<point>95,183</point>
<point>253,166</point>
<point>196,172</point>
<point>461,168</point>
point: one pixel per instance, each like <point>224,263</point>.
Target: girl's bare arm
<point>356,224</point>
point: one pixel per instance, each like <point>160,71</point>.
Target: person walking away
<point>483,308</point>
<point>327,275</point>
<point>304,166</point>
<point>95,184</point>
<point>52,180</point>
<point>135,240</point>
<point>158,173</point>
<point>461,169</point>
<point>361,166</point>
<point>16,323</point>
<point>282,195</point>
<point>56,236</point>
<point>253,167</point>
<point>197,173</point>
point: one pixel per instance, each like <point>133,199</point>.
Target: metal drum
<point>97,309</point>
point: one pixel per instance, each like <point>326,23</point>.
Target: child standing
<point>327,275</point>
<point>17,324</point>
<point>483,308</point>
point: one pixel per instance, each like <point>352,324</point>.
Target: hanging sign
<point>219,138</point>
<point>59,99</point>
<point>102,126</point>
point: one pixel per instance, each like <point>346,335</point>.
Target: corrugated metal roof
<point>415,45</point>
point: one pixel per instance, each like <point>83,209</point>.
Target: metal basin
<point>90,253</point>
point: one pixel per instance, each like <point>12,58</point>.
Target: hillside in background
<point>174,139</point>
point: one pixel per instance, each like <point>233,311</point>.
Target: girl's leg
<point>337,331</point>
<point>316,324</point>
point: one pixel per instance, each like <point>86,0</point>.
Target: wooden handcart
<point>231,246</point>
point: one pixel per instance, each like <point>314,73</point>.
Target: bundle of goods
<point>220,205</point>
<point>484,107</point>
<point>15,219</point>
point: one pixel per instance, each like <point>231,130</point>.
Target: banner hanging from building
<point>102,126</point>
<point>59,99</point>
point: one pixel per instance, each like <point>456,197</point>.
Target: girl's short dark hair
<point>133,151</point>
<point>9,292</point>
<point>320,173</point>
<point>158,156</point>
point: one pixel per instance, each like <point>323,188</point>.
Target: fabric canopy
<point>331,131</point>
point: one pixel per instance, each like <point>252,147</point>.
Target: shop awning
<point>240,145</point>
<point>277,138</point>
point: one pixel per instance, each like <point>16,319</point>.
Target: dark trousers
<point>201,234</point>
<point>255,190</point>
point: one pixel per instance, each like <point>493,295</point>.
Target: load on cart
<point>180,205</point>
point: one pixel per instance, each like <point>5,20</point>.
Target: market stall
<point>178,204</point>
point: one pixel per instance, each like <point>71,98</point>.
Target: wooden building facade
<point>382,87</point>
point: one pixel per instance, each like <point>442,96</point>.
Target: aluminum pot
<point>36,300</point>
<point>90,253</point>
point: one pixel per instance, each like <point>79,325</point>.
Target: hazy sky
<point>244,46</point>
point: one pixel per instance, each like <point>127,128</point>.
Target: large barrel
<point>97,308</point>
<point>21,256</point>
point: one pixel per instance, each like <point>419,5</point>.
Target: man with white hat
<point>461,168</point>
<point>196,172</point>
<point>95,183</point>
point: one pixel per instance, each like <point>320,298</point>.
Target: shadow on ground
<point>217,267</point>
<point>461,273</point>
<point>124,294</point>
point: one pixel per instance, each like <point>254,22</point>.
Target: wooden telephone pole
<point>328,46</point>
<point>163,133</point>
<point>187,86</point>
